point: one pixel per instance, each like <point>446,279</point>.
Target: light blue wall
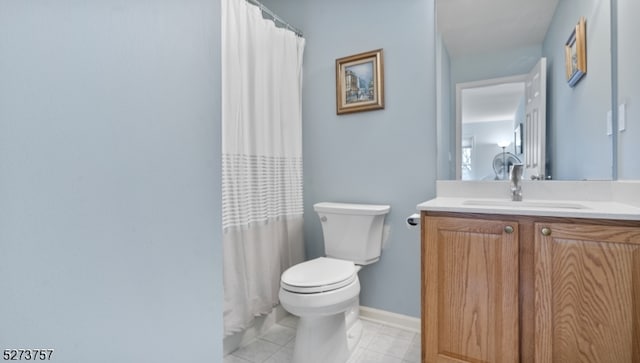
<point>385,156</point>
<point>629,88</point>
<point>109,180</point>
<point>576,117</point>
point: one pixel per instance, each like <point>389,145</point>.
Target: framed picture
<point>360,82</point>
<point>575,53</point>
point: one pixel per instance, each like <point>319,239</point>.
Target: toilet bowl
<point>321,303</point>
<point>324,292</point>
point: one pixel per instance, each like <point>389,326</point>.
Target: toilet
<point>324,292</point>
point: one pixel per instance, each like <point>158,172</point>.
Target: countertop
<point>597,200</point>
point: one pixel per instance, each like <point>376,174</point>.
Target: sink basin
<point>524,204</point>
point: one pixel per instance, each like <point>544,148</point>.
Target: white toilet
<point>324,291</point>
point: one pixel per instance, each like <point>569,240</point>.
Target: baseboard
<point>392,319</point>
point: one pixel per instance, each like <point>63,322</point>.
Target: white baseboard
<point>392,319</point>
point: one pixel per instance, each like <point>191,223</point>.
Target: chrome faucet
<point>515,176</point>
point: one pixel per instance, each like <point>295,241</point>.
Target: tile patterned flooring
<point>379,344</point>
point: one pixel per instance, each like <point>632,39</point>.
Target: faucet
<point>515,176</point>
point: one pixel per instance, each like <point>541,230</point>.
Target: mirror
<point>479,42</point>
<point>487,113</point>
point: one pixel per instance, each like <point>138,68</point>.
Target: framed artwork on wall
<point>360,82</point>
<point>575,51</point>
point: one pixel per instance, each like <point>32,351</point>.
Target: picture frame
<point>576,53</point>
<point>360,82</point>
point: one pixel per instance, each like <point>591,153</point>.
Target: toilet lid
<point>318,275</point>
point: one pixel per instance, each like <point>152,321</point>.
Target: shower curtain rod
<point>275,17</point>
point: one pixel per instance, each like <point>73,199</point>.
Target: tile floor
<point>379,344</point>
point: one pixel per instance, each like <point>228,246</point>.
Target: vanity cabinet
<point>501,288</point>
<point>471,290</point>
<point>587,293</point>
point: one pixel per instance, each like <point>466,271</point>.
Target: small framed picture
<point>575,51</point>
<point>360,82</point>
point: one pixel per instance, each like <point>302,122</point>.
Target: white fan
<point>502,161</point>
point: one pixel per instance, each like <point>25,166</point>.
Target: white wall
<point>629,88</point>
<point>486,136</point>
<point>109,180</point>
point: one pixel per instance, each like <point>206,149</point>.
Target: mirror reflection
<point>492,118</point>
<point>628,89</point>
<point>482,49</point>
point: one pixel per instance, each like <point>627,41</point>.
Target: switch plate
<point>622,117</point>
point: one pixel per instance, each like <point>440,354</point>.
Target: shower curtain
<point>262,160</point>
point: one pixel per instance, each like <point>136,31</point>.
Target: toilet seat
<point>318,275</point>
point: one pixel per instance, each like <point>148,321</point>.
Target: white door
<point>535,127</point>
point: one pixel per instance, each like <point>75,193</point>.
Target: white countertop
<point>598,200</point>
<point>539,207</point>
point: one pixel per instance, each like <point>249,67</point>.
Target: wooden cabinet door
<point>470,296</point>
<point>587,293</point>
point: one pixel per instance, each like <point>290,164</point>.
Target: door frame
<point>520,78</point>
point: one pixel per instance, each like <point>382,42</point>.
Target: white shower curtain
<point>262,160</point>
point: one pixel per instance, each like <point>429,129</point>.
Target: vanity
<point>552,278</point>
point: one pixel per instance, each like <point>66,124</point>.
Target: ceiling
<point>482,26</point>
<point>492,103</point>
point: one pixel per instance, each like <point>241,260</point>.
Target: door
<point>535,128</point>
<point>587,294</point>
<point>470,296</point>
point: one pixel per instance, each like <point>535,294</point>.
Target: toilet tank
<point>352,232</point>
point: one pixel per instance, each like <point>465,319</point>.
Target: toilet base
<point>321,339</point>
<point>326,339</point>
<point>354,325</point>
<point>329,327</point>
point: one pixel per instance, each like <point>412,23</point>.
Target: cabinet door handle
<point>508,229</point>
<point>546,231</point>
